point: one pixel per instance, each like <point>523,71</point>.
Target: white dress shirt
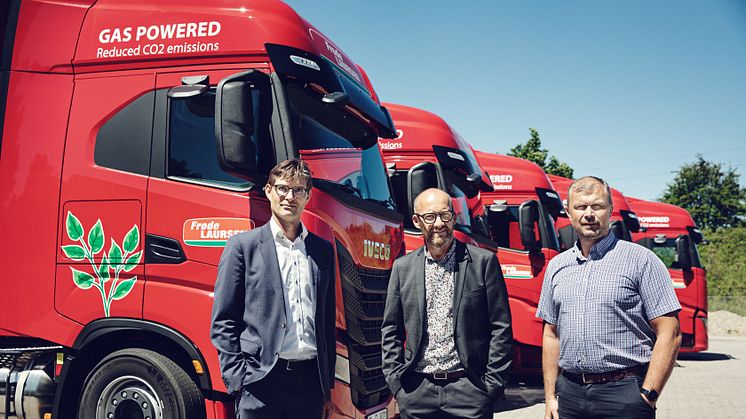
<point>299,290</point>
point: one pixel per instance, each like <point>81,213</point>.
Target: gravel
<point>725,323</point>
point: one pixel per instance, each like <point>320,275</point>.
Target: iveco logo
<point>376,250</point>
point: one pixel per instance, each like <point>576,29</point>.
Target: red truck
<point>670,232</point>
<point>521,190</point>
<point>135,141</point>
<point>624,221</point>
<point>429,153</point>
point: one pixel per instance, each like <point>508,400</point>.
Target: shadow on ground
<point>704,356</point>
<point>521,392</point>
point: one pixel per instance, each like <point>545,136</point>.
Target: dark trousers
<point>617,399</point>
<point>423,397</point>
<point>283,394</point>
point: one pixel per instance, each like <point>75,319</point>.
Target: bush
<point>724,257</point>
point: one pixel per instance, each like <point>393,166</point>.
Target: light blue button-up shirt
<point>602,304</point>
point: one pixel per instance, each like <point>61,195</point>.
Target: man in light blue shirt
<point>611,330</point>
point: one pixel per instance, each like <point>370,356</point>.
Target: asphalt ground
<point>708,384</point>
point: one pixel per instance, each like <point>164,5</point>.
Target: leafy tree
<point>713,196</point>
<point>725,261</point>
<point>532,151</point>
<point>556,167</point>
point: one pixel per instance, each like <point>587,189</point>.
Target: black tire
<point>137,384</point>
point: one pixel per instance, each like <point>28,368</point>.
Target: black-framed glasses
<point>430,217</point>
<point>298,191</point>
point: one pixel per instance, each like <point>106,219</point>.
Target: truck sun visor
<point>311,68</point>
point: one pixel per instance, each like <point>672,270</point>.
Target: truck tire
<point>139,384</point>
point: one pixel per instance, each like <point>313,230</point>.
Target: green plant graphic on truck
<point>118,260</point>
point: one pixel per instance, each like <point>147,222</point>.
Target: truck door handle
<point>163,250</point>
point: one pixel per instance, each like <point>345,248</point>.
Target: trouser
<point>616,399</point>
<point>424,397</point>
<point>283,394</point>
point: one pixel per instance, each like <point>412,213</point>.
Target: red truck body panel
<point>671,221</point>
<point>77,64</point>
<point>515,181</point>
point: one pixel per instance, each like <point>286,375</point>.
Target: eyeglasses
<point>298,191</point>
<point>430,217</point>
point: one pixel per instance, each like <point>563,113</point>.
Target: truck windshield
<point>341,150</point>
<point>665,249</point>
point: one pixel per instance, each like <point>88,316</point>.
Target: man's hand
<point>328,409</point>
<point>551,411</point>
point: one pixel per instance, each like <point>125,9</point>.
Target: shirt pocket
<point>614,290</point>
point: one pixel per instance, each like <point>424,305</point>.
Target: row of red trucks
<point>135,139</point>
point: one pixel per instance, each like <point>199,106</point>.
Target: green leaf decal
<point>115,254</point>
<point>96,237</point>
<point>82,279</point>
<point>131,240</point>
<point>74,252</point>
<point>124,288</point>
<point>74,228</point>
<point>103,270</point>
<point>132,261</point>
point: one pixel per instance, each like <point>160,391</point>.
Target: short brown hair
<point>295,169</point>
<point>585,183</point>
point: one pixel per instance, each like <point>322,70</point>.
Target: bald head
<point>433,215</point>
<point>587,184</point>
<point>432,197</point>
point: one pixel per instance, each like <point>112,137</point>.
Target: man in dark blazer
<point>447,339</point>
<point>273,317</point>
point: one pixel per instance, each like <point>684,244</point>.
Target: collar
<point>449,254</point>
<point>598,250</point>
<point>277,231</point>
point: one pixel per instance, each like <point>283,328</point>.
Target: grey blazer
<point>481,318</point>
<point>248,313</point>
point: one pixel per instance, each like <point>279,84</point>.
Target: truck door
<point>103,197</point>
<point>193,206</point>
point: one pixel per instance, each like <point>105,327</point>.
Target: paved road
<point>708,384</point>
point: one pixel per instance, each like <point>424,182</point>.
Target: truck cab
<point>428,152</point>
<point>521,212</point>
<point>135,141</point>
<point>624,221</point>
<point>671,233</point>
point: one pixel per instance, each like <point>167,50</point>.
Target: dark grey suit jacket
<point>481,320</point>
<point>248,313</point>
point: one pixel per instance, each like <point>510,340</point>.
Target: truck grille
<point>364,296</point>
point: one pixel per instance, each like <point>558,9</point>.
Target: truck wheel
<point>139,384</point>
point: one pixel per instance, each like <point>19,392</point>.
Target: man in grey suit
<point>448,301</point>
<point>273,317</point>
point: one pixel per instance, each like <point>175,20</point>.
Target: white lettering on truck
<point>193,32</point>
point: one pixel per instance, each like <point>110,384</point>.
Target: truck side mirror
<point>528,217</point>
<point>683,258</point>
<point>568,236</point>
<point>619,229</point>
<point>696,234</point>
<point>630,220</point>
<point>243,110</point>
<point>498,217</point>
<point>420,177</point>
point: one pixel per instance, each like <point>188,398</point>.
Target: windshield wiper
<point>341,186</point>
<point>346,187</point>
<point>388,203</point>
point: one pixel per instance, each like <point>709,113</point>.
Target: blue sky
<point>626,90</point>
